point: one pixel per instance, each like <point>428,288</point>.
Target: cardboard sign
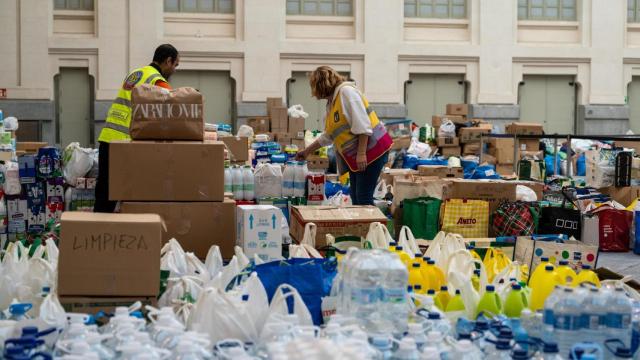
<point>260,231</point>
<point>109,254</point>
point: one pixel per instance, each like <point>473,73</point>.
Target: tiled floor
<point>622,263</point>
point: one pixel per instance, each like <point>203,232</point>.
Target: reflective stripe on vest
<point>119,115</point>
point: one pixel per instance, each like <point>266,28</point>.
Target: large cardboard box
<point>260,231</point>
<point>635,145</point>
<point>260,124</point>
<point>166,171</point>
<point>389,175</point>
<point>437,120</point>
<point>299,143</point>
<point>106,304</point>
<point>315,162</point>
<point>30,147</point>
<point>440,171</point>
<point>283,138</point>
<point>401,143</point>
<point>529,144</point>
<point>521,128</point>
<point>623,195</point>
<point>337,221</point>
<point>238,147</point>
<point>274,102</point>
<point>296,127</point>
<point>505,169</point>
<point>472,148</point>
<point>450,151</point>
<point>457,109</point>
<point>448,142</point>
<point>472,134</point>
<point>196,225</point>
<point>502,150</point>
<point>109,254</point>
<point>493,191</point>
<point>279,119</point>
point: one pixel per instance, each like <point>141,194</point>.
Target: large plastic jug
<point>404,257</point>
<point>586,275</point>
<point>543,287</point>
<point>456,303</point>
<point>489,302</point>
<point>566,272</point>
<point>544,261</point>
<point>516,301</point>
<point>526,290</point>
<point>432,294</point>
<point>443,297</point>
<point>415,276</point>
<point>475,280</point>
<point>433,275</point>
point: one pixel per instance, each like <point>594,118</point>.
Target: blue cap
<point>393,243</point>
<point>415,265</point>
<point>426,258</point>
<point>410,288</point>
<point>563,262</point>
<point>417,287</point>
<point>550,348</point>
<point>418,255</point>
<point>245,297</point>
<point>548,267</point>
<point>29,330</point>
<point>482,324</point>
<point>464,336</point>
<point>431,292</point>
<point>398,247</point>
<point>434,316</point>
<point>505,333</point>
<point>431,262</point>
<point>491,288</point>
<point>477,272</point>
<point>586,267</point>
<point>520,354</point>
<point>544,259</point>
<point>516,287</point>
<point>457,291</point>
<point>444,288</point>
<point>503,344</point>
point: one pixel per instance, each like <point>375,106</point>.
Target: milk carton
<point>260,231</point>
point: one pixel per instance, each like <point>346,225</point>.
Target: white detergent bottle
<point>228,179</point>
<point>248,183</point>
<point>300,182</point>
<point>238,193</point>
<point>288,179</point>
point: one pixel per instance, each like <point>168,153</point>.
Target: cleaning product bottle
<point>288,179</point>
<point>586,275</point>
<point>432,294</point>
<point>543,287</point>
<point>248,183</point>
<point>392,246</point>
<point>433,275</point>
<point>404,257</point>
<point>489,302</point>
<point>456,303</point>
<point>443,297</point>
<point>516,302</point>
<point>526,290</point>
<point>238,186</point>
<point>475,279</point>
<point>415,277</point>
<point>228,180</point>
<point>566,272</point>
<point>418,289</point>
<point>544,261</point>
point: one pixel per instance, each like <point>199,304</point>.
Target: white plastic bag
<point>279,310</point>
<point>52,312</point>
<point>246,131</point>
<point>268,181</point>
<point>525,193</point>
<point>179,289</point>
<point>213,262</point>
<point>78,162</point>
<point>257,301</point>
<point>378,237</point>
<point>222,316</point>
<point>447,129</point>
<point>442,246</point>
<point>11,124</point>
<point>419,149</point>
<point>243,260</point>
<point>408,241</point>
<point>173,259</point>
<point>297,111</point>
<point>307,247</point>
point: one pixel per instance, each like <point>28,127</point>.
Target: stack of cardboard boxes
<point>502,149</point>
<point>468,131</point>
<point>281,128</point>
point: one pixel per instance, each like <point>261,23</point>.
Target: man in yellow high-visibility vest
<point>165,61</point>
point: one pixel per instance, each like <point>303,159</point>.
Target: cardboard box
<point>504,169</point>
<point>493,191</point>
<point>298,143</point>
<point>488,159</point>
<point>93,305</point>
<point>502,150</point>
<point>109,254</point>
<point>315,162</point>
<point>260,231</point>
<point>166,171</point>
<point>440,171</point>
<point>472,134</point>
<point>448,142</point>
<point>635,145</point>
<point>296,128</point>
<point>30,147</point>
<point>623,195</point>
<point>196,225</point>
<point>389,175</point>
<point>279,119</point>
<point>437,120</point>
<point>238,147</point>
<point>274,102</point>
<point>401,143</point>
<point>529,144</point>
<point>472,148</point>
<point>283,139</point>
<point>337,221</point>
<point>450,151</point>
<point>457,109</point>
<point>521,128</point>
<point>260,124</point>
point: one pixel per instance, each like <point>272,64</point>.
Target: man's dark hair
<point>164,52</point>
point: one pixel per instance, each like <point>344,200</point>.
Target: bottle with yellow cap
<point>543,287</point>
<point>433,275</point>
<point>544,261</point>
<point>586,275</point>
<point>566,272</point>
<point>490,303</point>
<point>443,297</point>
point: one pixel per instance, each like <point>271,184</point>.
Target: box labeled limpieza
<point>337,221</point>
<point>166,171</point>
<point>259,231</point>
<point>109,254</point>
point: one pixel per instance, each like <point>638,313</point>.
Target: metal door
<point>217,89</point>
<point>428,94</point>
<point>74,94</point>
<point>549,100</point>
<point>299,92</point>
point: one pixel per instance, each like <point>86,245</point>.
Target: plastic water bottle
<point>407,350</point>
<point>248,183</point>
<point>531,323</point>
<point>394,306</point>
<point>635,326</point>
<point>228,180</point>
<point>384,345</point>
<point>501,350</point>
<point>619,316</point>
<point>300,180</point>
<point>567,313</point>
<point>594,316</point>
<point>436,322</point>
<point>465,350</point>
<point>366,277</point>
<point>548,315</point>
<point>416,331</point>
<point>288,179</point>
<point>238,186</point>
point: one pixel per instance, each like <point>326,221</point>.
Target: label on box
<point>34,193</point>
<point>17,209</point>
<point>315,189</point>
<point>27,169</point>
<point>36,219</point>
<point>260,231</point>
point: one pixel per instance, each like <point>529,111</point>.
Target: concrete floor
<point>623,263</point>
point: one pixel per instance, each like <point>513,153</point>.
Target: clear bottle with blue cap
<point>549,351</point>
<point>501,350</point>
